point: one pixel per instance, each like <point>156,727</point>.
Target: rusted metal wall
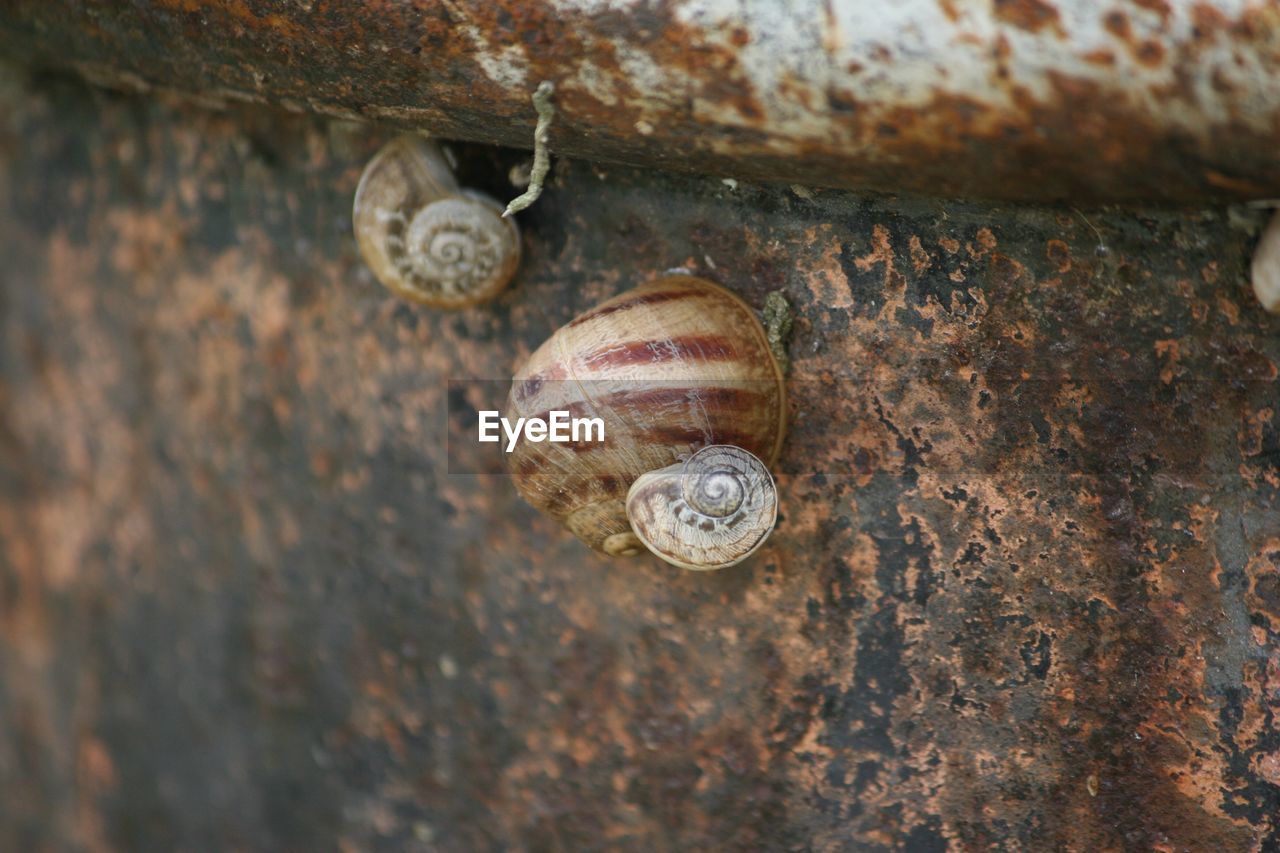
<point>1016,99</point>
<point>1025,592</point>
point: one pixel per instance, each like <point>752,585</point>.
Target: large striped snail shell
<point>694,407</point>
<point>423,236</point>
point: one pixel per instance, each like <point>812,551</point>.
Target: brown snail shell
<point>672,367</point>
<point>424,237</point>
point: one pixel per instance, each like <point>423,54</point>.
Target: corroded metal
<point>1024,591</point>
<point>1017,99</point>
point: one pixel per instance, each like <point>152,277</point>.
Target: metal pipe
<point>1139,100</point>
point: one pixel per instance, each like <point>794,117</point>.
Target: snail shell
<point>709,512</point>
<point>670,367</point>
<point>424,237</point>
<point>1265,270</point>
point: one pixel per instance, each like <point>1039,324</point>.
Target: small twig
<point>541,153</point>
<point>1102,244</point>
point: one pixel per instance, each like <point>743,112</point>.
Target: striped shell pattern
<point>673,367</point>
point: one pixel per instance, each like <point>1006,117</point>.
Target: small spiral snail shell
<point>711,511</point>
<point>424,237</point>
<point>693,404</point>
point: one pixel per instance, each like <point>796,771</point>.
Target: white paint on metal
<point>905,53</point>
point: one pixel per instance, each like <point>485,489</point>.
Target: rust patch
<point>1117,23</point>
<point>1058,252</point>
<point>1030,15</point>
<point>1160,7</point>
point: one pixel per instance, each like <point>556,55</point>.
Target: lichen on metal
<point>546,111</point>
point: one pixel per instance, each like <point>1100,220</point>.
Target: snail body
<point>424,237</point>
<point>677,370</point>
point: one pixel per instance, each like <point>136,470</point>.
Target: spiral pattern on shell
<point>709,512</point>
<point>451,248</point>
<point>424,237</point>
<point>670,367</point>
<point>715,480</point>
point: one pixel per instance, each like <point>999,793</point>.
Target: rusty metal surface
<point>1024,593</point>
<point>1016,99</point>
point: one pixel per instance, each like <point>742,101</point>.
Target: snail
<point>424,237</point>
<point>693,404</point>
<point>1265,270</point>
